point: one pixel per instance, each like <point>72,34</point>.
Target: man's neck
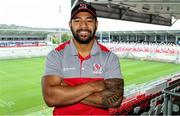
<point>84,49</point>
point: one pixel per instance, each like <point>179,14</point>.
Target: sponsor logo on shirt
<point>69,68</point>
<point>97,69</point>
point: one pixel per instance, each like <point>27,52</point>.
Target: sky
<point>56,14</point>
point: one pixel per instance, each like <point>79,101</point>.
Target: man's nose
<point>83,24</point>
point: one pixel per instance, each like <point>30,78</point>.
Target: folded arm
<point>105,93</point>
<point>56,92</point>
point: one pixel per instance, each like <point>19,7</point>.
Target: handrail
<point>172,86</point>
<point>167,98</point>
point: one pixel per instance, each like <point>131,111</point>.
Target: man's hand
<point>111,99</point>
<point>113,94</point>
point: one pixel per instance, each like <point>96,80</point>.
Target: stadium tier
<point>6,44</point>
<point>145,51</point>
<point>19,43</point>
<point>144,36</point>
<point>152,103</point>
<point>22,41</point>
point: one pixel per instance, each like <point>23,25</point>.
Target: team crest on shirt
<point>97,69</point>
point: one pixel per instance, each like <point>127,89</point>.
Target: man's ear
<point>70,24</point>
<point>96,23</point>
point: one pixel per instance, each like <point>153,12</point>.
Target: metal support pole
<point>170,105</point>
<point>101,40</point>
<point>165,111</point>
<point>166,38</point>
<point>176,41</point>
<point>109,38</point>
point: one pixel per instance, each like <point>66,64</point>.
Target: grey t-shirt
<point>65,62</point>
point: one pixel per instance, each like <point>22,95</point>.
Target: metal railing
<point>169,92</point>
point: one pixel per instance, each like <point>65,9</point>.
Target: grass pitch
<point>138,71</point>
<point>20,85</point>
<point>20,81</point>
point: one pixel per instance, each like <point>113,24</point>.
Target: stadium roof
<point>159,12</point>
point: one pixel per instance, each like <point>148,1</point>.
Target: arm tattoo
<point>113,94</point>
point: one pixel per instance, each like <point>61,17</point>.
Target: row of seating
<point>148,104</point>
<point>171,82</point>
<point>143,104</point>
<point>149,48</point>
<point>135,105</point>
<point>145,49</point>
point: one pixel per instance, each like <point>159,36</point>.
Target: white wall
<point>22,52</point>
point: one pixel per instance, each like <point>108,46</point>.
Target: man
<point>81,76</point>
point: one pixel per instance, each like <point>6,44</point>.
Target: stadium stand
<point>20,43</point>
<point>145,51</point>
<point>150,102</point>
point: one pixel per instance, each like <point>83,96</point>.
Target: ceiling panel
<point>146,11</point>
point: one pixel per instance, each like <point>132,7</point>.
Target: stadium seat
<point>153,103</point>
<point>178,88</point>
<point>159,100</point>
<point>175,108</point>
<point>163,108</point>
<point>136,110</point>
<point>161,97</point>
<point>158,109</point>
<point>145,106</point>
<point>151,111</point>
<point>144,114</point>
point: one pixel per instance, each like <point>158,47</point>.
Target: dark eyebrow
<point>78,17</point>
<point>90,18</point>
<point>75,17</point>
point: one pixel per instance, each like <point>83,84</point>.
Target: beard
<point>81,40</point>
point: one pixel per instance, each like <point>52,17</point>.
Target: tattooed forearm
<point>113,94</point>
<point>110,97</point>
<point>114,84</point>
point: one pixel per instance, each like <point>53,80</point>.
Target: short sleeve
<point>112,68</point>
<point>53,64</point>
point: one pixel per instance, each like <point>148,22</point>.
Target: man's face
<point>83,27</point>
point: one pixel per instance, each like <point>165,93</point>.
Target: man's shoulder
<point>103,48</point>
<point>62,46</point>
<point>59,50</point>
<point>106,50</point>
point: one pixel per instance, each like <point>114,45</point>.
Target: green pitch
<point>20,81</point>
<point>138,71</point>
